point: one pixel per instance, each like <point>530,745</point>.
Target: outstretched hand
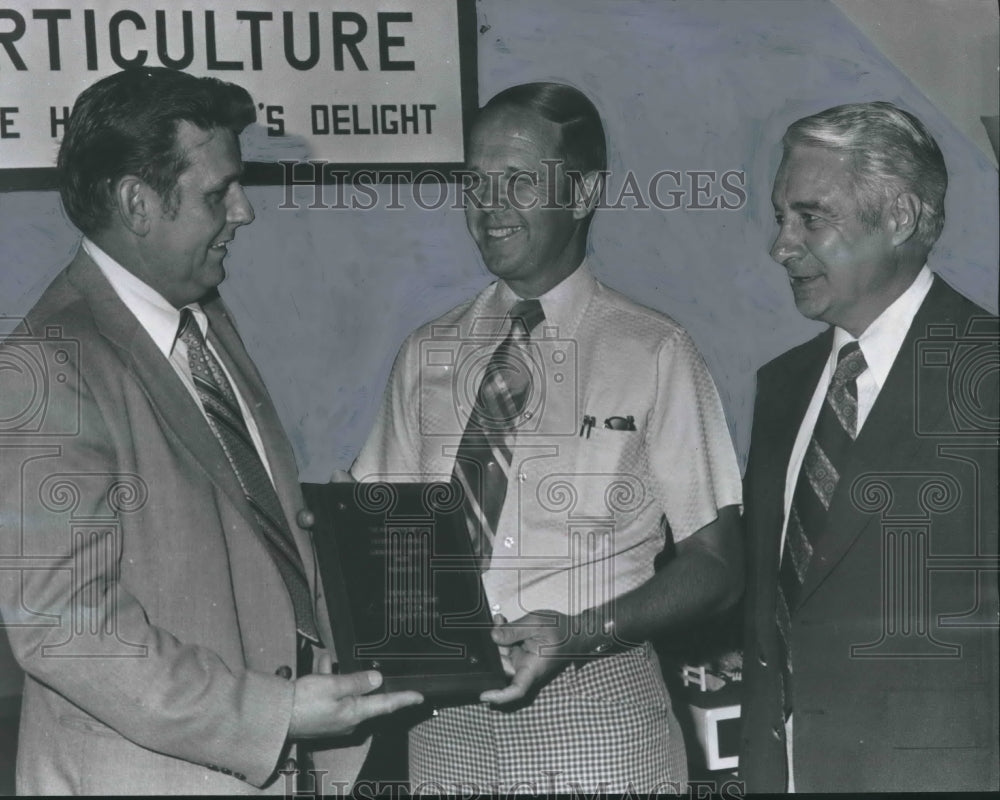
<point>334,705</point>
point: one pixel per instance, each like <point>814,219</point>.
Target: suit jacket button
<point>290,765</point>
<point>239,776</point>
<point>776,733</point>
<point>305,518</point>
<point>225,771</point>
<point>284,671</point>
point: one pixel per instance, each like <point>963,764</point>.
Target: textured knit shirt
<point>581,520</point>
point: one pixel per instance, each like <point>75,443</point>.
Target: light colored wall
<point>950,49</point>
<point>324,297</point>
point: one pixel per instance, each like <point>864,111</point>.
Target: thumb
<point>507,634</point>
<point>358,683</point>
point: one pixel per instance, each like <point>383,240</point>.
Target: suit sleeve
<point>75,628</point>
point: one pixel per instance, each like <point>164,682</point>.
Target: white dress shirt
<point>880,344</point>
<point>161,320</point>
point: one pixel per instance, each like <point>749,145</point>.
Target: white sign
<point>349,82</point>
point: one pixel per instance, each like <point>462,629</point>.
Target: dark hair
<point>581,132</point>
<point>126,124</point>
<point>891,152</point>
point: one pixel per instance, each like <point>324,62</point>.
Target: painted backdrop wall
<point>324,297</point>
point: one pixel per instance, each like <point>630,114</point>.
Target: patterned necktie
<point>835,432</point>
<point>485,454</point>
<point>223,412</point>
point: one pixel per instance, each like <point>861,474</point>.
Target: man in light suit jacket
<point>870,659</point>
<point>157,582</point>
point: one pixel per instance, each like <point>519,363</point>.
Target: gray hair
<point>891,152</point>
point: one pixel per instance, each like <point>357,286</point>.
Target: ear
<point>903,215</point>
<point>133,199</point>
<point>587,193</point>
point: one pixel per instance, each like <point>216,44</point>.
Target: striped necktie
<point>835,432</point>
<point>484,456</point>
<point>224,418</point>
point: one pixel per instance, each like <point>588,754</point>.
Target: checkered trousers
<point>606,726</point>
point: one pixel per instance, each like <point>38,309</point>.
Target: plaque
<point>403,587</point>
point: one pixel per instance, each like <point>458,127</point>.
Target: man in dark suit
<point>157,582</point>
<point>870,660</point>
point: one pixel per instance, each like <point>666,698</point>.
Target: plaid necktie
<point>227,423</point>
<point>835,432</point>
<point>484,454</point>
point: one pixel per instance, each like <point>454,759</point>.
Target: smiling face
<point>186,241</point>
<point>842,270</point>
<point>525,232</point>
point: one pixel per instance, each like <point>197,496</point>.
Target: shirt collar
<point>155,313</point>
<point>563,303</point>
<point>881,341</point>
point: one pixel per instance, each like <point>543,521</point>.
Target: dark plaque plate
<point>403,588</point>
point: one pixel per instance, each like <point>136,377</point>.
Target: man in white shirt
<point>158,583</point>
<point>870,648</point>
<point>568,480</point>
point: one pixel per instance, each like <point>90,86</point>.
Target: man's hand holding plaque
<point>404,589</point>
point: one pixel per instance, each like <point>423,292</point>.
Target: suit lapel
<point>251,387</point>
<point>180,416</point>
<point>887,438</point>
<point>784,394</point>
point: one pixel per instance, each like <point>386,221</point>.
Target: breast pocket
<point>601,475</point>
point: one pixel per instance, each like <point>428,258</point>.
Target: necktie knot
<point>850,364</point>
<point>189,330</point>
<point>525,316</point>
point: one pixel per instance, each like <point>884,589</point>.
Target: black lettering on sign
<point>168,35</point>
<point>348,40</point>
<point>7,123</point>
<point>52,17</point>
<point>7,38</point>
<point>309,61</point>
<point>340,119</point>
<point>187,32</point>
<point>385,41</point>
<point>90,37</point>
<point>367,120</point>
<point>255,18</point>
<point>57,120</point>
<point>114,31</point>
<point>275,120</point>
<point>320,120</point>
<point>211,53</point>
